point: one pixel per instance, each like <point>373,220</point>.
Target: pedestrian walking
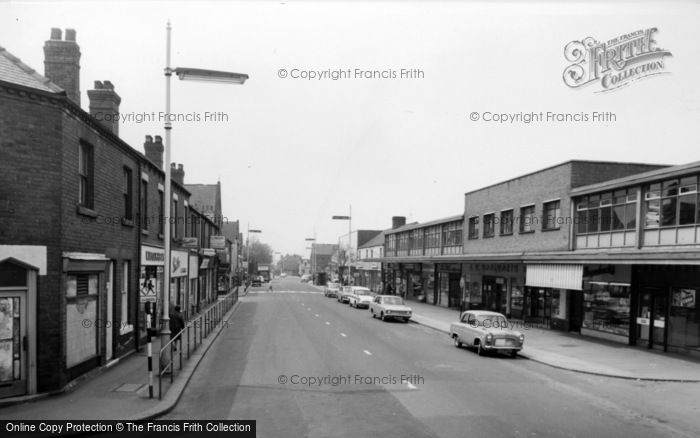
<point>177,324</point>
<point>269,287</point>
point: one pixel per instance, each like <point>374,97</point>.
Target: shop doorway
<point>494,294</point>
<point>575,310</point>
<point>13,343</point>
<point>651,318</point>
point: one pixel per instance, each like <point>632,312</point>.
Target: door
<point>109,332</point>
<point>651,318</point>
<point>13,343</point>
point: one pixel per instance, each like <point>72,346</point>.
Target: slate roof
<point>14,71</point>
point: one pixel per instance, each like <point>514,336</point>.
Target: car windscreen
<point>397,301</point>
<point>489,321</point>
<point>363,292</point>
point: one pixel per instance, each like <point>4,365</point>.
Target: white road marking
<point>316,315</point>
<point>328,323</point>
<point>367,353</point>
<point>410,385</point>
<point>344,335</point>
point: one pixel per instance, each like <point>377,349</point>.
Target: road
<point>304,365</point>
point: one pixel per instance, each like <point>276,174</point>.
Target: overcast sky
<point>294,151</point>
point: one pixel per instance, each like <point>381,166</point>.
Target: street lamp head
<point>255,231</point>
<point>198,74</point>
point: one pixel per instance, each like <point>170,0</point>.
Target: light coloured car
<point>344,294</point>
<point>486,331</point>
<point>360,297</point>
<point>390,307</point>
<point>331,290</point>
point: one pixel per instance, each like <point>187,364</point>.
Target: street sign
<point>342,217</point>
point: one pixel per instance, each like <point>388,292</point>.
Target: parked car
<point>331,290</point>
<point>256,281</point>
<point>486,331</point>
<point>305,278</point>
<point>344,295</point>
<point>360,297</point>
<point>390,307</point>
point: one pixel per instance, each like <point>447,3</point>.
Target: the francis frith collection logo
<point>614,63</point>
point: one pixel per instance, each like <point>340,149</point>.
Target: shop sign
<point>494,267</point>
<point>207,252</point>
<point>190,242</point>
<point>684,298</point>
<point>217,242</point>
<point>151,256</point>
<point>193,269</point>
<point>179,261</point>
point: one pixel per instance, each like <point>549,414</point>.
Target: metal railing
<point>190,338</point>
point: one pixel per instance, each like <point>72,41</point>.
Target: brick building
<point>69,253</point>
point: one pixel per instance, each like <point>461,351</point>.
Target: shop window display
<point>685,319</point>
<point>606,307</point>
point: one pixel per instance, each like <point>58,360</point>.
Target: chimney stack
<point>104,105</point>
<point>398,221</point>
<point>62,63</point>
<point>154,150</point>
<point>177,173</point>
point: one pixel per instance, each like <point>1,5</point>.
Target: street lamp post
<point>183,74</point>
<point>247,247</point>
<point>313,256</point>
<point>349,219</point>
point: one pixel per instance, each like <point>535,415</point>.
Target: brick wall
<point>549,184</point>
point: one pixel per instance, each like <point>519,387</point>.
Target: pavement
<point>120,389</point>
<point>583,354</point>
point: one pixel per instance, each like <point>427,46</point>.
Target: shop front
<point>448,292</point>
<point>179,268</point>
<point>552,296</point>
<point>607,302</point>
<point>667,317</point>
<point>494,286</point>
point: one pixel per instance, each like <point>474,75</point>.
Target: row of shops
<point>652,306</point>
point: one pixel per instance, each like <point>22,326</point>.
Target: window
<point>187,218</point>
<point>506,222</point>
<point>474,227</point>
<point>605,212</point>
<point>489,225</point>
<point>527,219</point>
<point>551,215</point>
<point>452,234</point>
<point>127,189</point>
<point>85,171</point>
<point>143,201</point>
<point>161,209</point>
<point>173,219</point>
<point>672,203</point>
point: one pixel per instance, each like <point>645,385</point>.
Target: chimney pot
<point>179,166</point>
<point>159,139</point>
<point>104,105</point>
<point>154,150</point>
<point>62,63</point>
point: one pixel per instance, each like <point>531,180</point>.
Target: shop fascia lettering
<point>494,267</point>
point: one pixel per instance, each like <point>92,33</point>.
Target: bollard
<point>149,350</point>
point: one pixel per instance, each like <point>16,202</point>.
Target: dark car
<point>257,281</point>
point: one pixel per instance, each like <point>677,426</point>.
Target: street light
<point>349,219</point>
<point>313,257</point>
<point>247,246</point>
<point>183,74</point>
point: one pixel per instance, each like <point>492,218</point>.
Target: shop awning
<point>554,276</point>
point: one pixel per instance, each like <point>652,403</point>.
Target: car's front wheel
<point>381,316</point>
<point>480,350</point>
<point>458,344</point>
